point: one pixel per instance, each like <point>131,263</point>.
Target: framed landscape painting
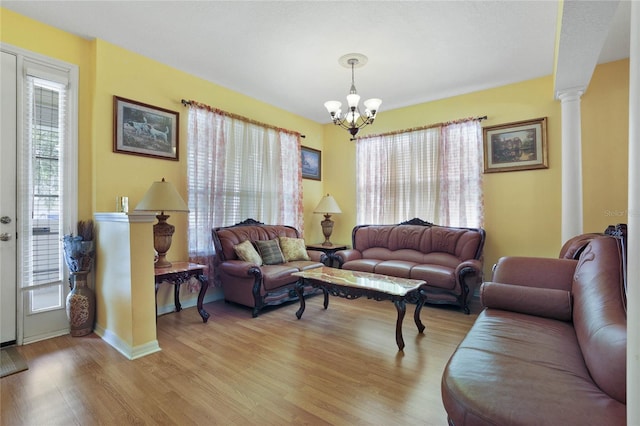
<point>521,145</point>
<point>141,129</point>
<point>311,163</point>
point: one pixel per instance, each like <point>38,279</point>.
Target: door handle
<point>5,236</point>
<point>5,219</point>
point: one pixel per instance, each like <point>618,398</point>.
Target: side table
<point>330,251</point>
<point>178,273</point>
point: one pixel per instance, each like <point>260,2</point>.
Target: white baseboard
<point>130,352</point>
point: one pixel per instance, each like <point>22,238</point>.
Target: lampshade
<point>327,205</point>
<point>162,197</point>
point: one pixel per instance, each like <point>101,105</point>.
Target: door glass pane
<point>46,132</point>
<point>46,186</point>
<point>46,298</point>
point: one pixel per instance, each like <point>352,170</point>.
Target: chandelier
<point>352,120</point>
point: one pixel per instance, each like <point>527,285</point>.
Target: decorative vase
<point>81,305</point>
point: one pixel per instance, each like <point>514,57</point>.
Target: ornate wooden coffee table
<point>355,284</point>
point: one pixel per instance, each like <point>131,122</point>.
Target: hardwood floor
<point>340,366</point>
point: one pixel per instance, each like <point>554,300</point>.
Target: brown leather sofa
<point>449,259</point>
<point>550,346</point>
<point>254,284</point>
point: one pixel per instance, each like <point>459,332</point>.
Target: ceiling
<point>286,53</point>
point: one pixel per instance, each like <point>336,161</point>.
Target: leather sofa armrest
<point>470,266</point>
<point>240,268</point>
<point>347,255</point>
<point>535,272</point>
<point>542,302</point>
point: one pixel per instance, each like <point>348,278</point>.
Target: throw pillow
<point>245,251</point>
<point>270,252</point>
<point>293,249</point>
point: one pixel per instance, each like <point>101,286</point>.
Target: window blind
<point>41,181</point>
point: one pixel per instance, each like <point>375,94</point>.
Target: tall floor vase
<point>81,305</point>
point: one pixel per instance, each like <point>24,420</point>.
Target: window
<point>433,173</point>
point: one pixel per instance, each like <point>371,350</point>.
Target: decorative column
<point>633,228</point>
<point>571,163</point>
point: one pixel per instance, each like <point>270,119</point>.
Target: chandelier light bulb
<point>373,105</point>
<point>352,117</point>
<point>353,99</point>
<point>332,106</point>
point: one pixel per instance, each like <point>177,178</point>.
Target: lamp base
<point>327,229</point>
<point>162,234</point>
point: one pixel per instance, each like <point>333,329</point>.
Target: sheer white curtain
<point>238,169</point>
<point>461,201</point>
<point>395,177</point>
<point>432,173</point>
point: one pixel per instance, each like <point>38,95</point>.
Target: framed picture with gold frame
<point>521,145</point>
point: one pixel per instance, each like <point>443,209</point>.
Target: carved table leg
<point>401,308</point>
<point>326,297</point>
<point>176,296</point>
<point>204,285</point>
<point>300,290</point>
<point>416,314</point>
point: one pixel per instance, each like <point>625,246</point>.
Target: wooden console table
<point>178,273</point>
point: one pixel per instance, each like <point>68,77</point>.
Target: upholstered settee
<point>549,347</point>
<point>254,263</point>
<point>449,259</point>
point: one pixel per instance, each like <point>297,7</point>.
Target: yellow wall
<point>605,145</point>
<point>522,209</point>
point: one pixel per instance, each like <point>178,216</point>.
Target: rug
<point>11,362</point>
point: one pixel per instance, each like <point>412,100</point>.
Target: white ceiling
<point>286,53</point>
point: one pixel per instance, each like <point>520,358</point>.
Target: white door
<point>38,191</point>
<point>8,284</point>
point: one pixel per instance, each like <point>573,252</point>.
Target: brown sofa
<point>449,259</point>
<point>550,346</point>
<point>254,284</point>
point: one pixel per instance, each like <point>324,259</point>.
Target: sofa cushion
<point>542,302</point>
<point>277,276</point>
<point>246,252</point>
<point>395,268</point>
<point>270,252</point>
<point>293,249</point>
<point>362,265</point>
<point>435,275</point>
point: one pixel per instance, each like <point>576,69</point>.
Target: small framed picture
<point>521,145</point>
<point>141,129</point>
<point>311,163</point>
